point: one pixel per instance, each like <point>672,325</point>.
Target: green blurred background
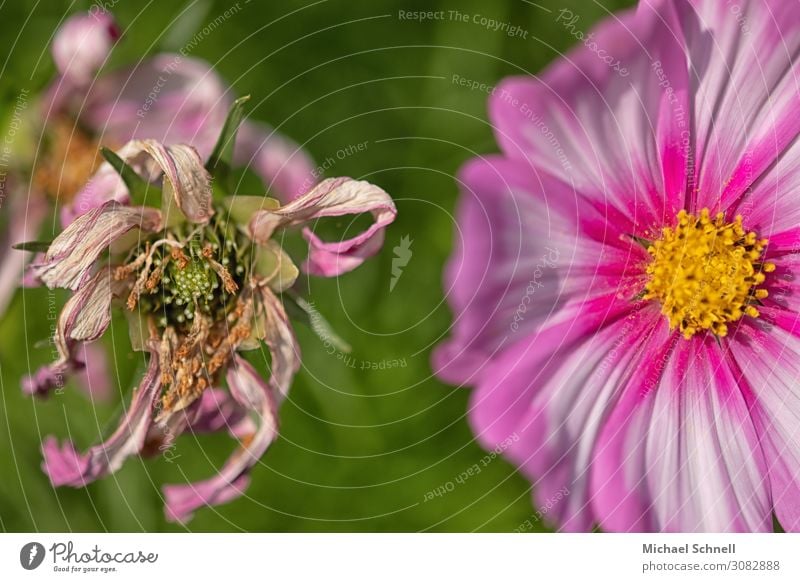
<point>360,449</point>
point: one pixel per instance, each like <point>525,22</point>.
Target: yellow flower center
<point>705,273</point>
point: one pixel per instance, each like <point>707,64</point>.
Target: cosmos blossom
<point>625,281</point>
<point>200,278</point>
<point>168,97</point>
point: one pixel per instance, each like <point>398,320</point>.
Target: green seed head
<point>192,283</point>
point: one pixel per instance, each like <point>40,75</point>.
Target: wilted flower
<point>200,277</point>
<point>625,288</point>
<point>168,97</point>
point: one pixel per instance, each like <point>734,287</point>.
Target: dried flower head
<point>200,276</point>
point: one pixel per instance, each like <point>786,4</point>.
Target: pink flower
<point>624,285</point>
<point>199,278</point>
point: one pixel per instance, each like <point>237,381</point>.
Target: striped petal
<point>72,255</point>
<point>84,318</point>
<point>680,451</point>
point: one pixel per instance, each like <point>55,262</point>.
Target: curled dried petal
<point>332,197</point>
<point>65,466</point>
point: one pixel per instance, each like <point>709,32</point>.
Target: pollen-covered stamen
<point>124,271</point>
<point>169,342</point>
<point>200,356</point>
<point>227,280</point>
<point>706,272</point>
<point>148,277</point>
<point>188,378</point>
<point>180,257</point>
<point>238,329</point>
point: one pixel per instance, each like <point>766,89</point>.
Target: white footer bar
<point>401,557</point>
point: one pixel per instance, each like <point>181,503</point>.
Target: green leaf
<point>301,310</point>
<point>138,187</point>
<point>219,164</point>
<point>35,246</point>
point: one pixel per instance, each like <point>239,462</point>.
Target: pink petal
<point>95,376</point>
<point>104,186</point>
<point>26,215</point>
<point>213,411</point>
<point>169,98</point>
<point>745,92</point>
<point>598,124</point>
<point>766,362</point>
<point>48,378</point>
<point>216,410</point>
<point>542,401</point>
<point>770,205</point>
<point>680,452</point>
<point>668,46</point>
<point>502,279</point>
<point>527,243</point>
<point>82,44</point>
<point>332,197</point>
<point>62,463</point>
